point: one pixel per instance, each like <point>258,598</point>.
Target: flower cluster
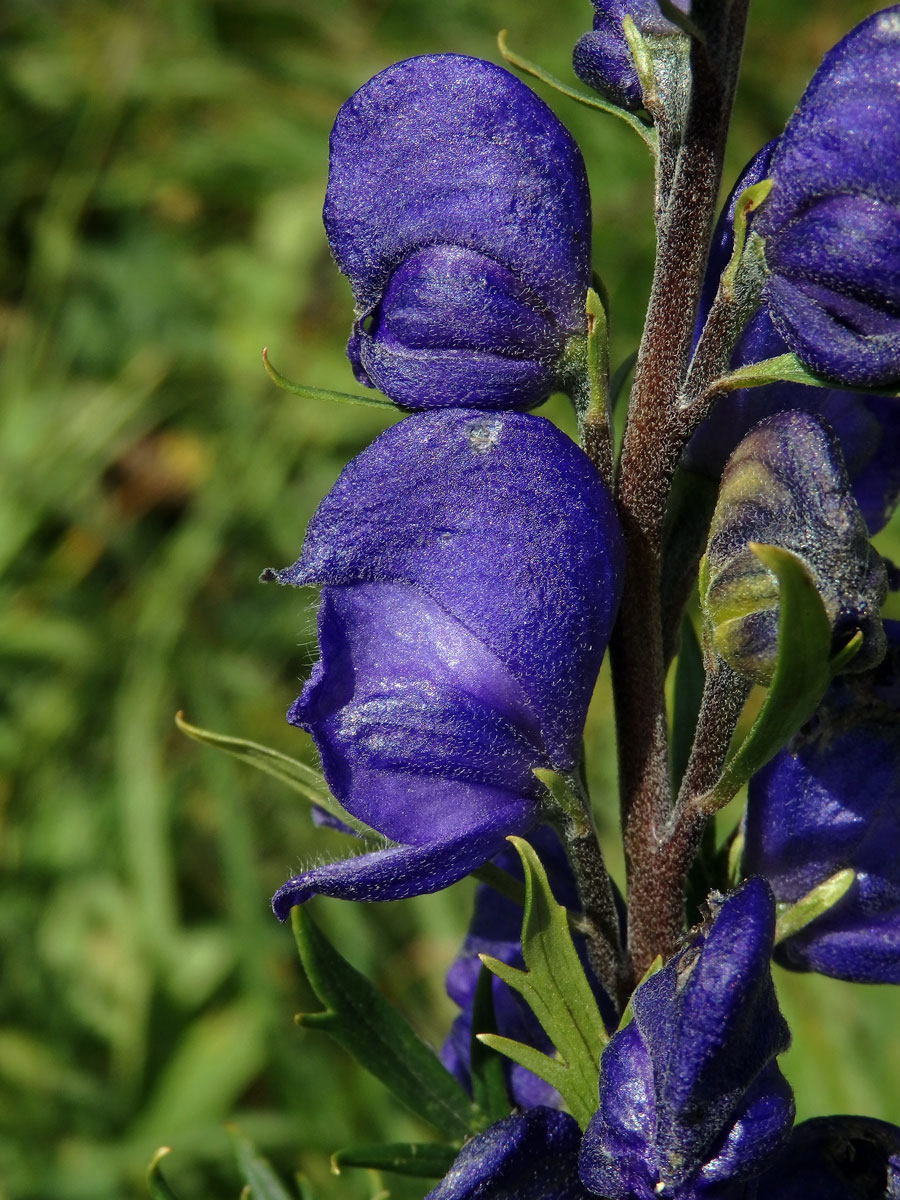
<point>472,563</point>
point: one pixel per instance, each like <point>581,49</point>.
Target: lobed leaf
<point>555,987</point>
<point>359,1018</point>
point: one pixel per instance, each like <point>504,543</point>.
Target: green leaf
<point>802,672</point>
<point>261,1180</point>
<point>305,780</point>
<point>489,1091</point>
<point>555,988</point>
<point>313,393</point>
<point>785,368</point>
<point>421,1160</point>
<point>368,1027</point>
<point>794,917</point>
<point>646,132</point>
<point>551,1070</point>
<point>689,678</point>
<point>156,1181</point>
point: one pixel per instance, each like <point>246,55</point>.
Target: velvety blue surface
<point>691,1100</point>
<point>496,929</point>
<point>602,57</point>
<point>529,1157</point>
<point>830,801</point>
<point>831,224</point>
<point>835,1158</point>
<point>471,569</point>
<point>458,208</point>
<point>867,426</point>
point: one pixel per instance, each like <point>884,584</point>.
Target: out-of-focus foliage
<point>163,167</point>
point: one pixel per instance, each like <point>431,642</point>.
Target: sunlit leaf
<point>556,989</point>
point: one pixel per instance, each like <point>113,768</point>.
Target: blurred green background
<point>163,168</point>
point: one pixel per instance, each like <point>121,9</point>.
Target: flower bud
<point>786,485</point>
<point>602,58</point>
<point>691,1099</point>
<point>471,569</point>
<point>828,802</point>
<point>458,208</point>
<point>832,221</point>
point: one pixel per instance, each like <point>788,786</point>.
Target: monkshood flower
<point>832,221</point>
<point>835,1158</point>
<point>867,426</point>
<point>692,1102</point>
<point>529,1157</point>
<point>786,485</point>
<point>830,801</point>
<point>471,568</point>
<point>602,58</point>
<point>458,208</point>
<point>496,929</point>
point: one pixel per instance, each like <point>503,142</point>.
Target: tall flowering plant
<point>475,564</point>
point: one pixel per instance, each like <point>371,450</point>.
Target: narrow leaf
<point>785,368</point>
<point>157,1183</point>
<point>368,1027</point>
<point>305,780</point>
<point>802,673</point>
<point>551,1070</point>
<point>255,1170</point>
<point>556,989</point>
<point>421,1160</point>
<point>313,393</point>
<point>489,1090</point>
<point>814,904</point>
<point>646,132</point>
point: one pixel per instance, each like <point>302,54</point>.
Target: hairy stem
<point>653,441</point>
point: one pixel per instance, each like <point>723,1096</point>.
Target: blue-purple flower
<point>458,208</point>
<point>831,800</point>
<point>532,1156</point>
<point>471,567</point>
<point>835,1158</point>
<point>867,426</point>
<point>602,58</point>
<point>832,222</point>
<point>692,1102</point>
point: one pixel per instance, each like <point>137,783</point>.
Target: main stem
<point>653,443</point>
